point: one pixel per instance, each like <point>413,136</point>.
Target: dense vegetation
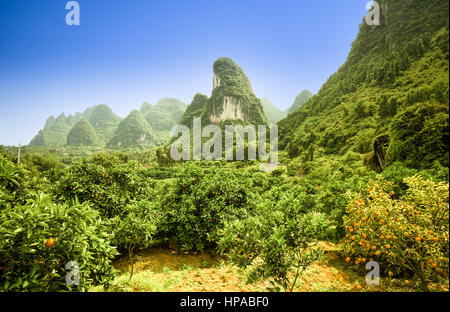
<point>394,83</point>
<point>82,134</point>
<point>163,116</point>
<point>133,131</point>
<point>234,86</point>
<point>365,167</point>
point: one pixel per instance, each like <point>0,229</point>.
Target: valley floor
<point>165,270</point>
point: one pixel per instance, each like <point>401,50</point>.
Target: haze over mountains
<point>274,114</point>
<point>232,101</point>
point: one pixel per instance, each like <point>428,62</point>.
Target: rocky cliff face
<point>232,99</point>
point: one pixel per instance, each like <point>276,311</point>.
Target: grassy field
<point>164,270</point>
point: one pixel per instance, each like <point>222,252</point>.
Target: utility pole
<point>18,155</point>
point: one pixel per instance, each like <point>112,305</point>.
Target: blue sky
<point>126,52</point>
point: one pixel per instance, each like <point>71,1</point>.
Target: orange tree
<point>278,240</point>
<point>197,204</point>
<point>39,239</point>
<point>406,235</point>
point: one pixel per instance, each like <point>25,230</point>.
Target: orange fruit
<point>406,234</point>
<point>364,235</point>
<point>352,238</point>
<point>348,259</point>
<point>381,237</point>
<point>391,273</point>
<point>374,247</point>
<point>359,287</point>
<point>435,239</point>
<point>388,246</point>
<point>377,253</point>
<point>418,239</point>
<point>406,282</point>
<point>382,221</point>
<point>363,219</point>
<point>50,242</point>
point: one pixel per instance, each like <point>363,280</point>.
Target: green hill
<point>273,113</point>
<point>232,99</point>
<point>104,121</point>
<point>163,116</point>
<point>56,130</point>
<point>82,134</point>
<point>390,98</point>
<point>301,99</point>
<point>195,109</point>
<point>133,131</point>
<point>54,133</point>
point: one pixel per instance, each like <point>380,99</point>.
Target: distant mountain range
<point>99,126</point>
<point>274,114</point>
<point>232,101</point>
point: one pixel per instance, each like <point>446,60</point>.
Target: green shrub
<point>109,186</point>
<point>407,235</point>
<point>197,205</point>
<point>38,240</point>
<point>279,238</point>
<point>135,227</point>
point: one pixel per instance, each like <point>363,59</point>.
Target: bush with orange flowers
<point>406,235</point>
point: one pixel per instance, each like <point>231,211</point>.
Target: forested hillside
<point>394,86</point>
<point>301,99</point>
<point>272,112</point>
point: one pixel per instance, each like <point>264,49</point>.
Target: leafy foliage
<point>279,237</point>
<point>395,71</point>
<point>197,205</point>
<point>39,238</point>
<point>406,234</point>
<point>109,183</point>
